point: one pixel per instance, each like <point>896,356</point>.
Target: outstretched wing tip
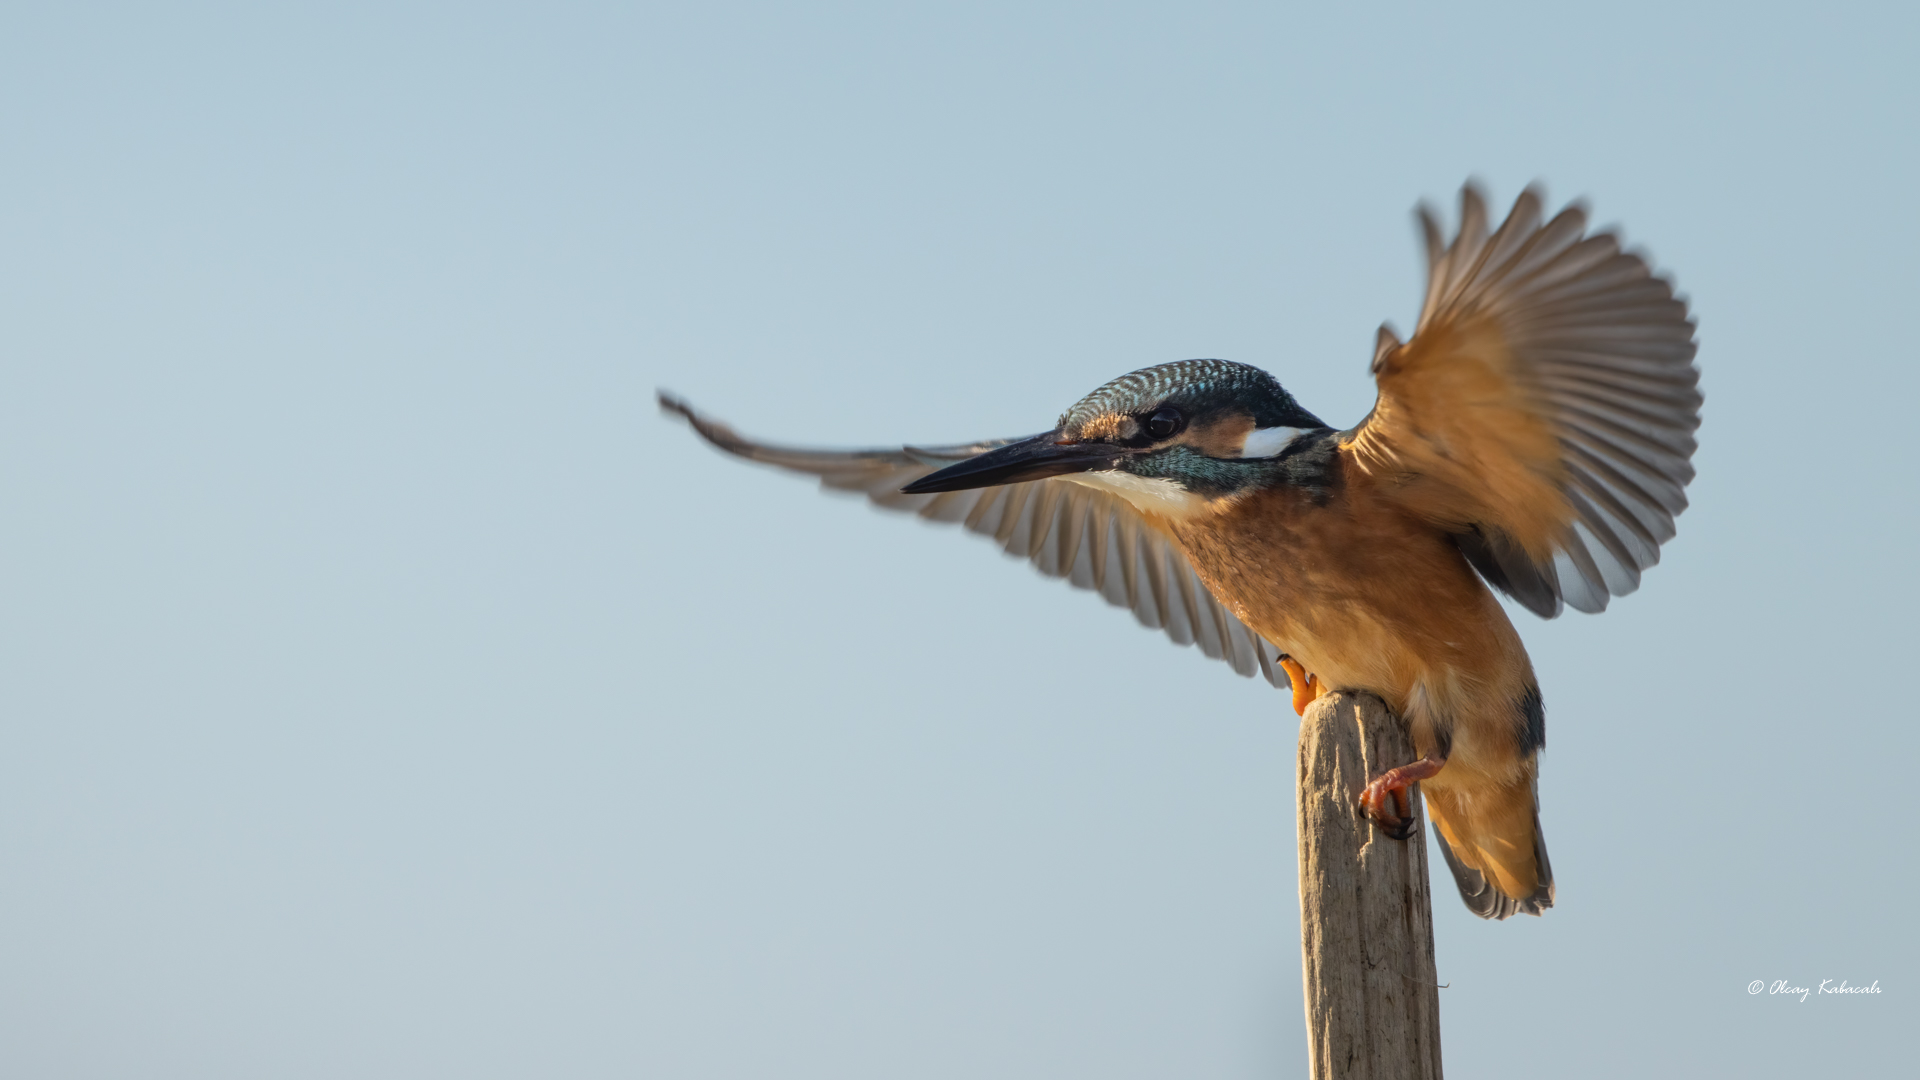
<point>672,404</point>
<point>713,432</point>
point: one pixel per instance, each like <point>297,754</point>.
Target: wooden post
<point>1366,911</point>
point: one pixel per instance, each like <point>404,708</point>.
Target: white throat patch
<point>1147,494</point>
<point>1269,441</point>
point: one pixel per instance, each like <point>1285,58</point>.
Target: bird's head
<point>1168,439</point>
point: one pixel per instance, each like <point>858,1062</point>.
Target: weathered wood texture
<point>1366,912</point>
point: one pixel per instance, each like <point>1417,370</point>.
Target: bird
<point>1532,437</point>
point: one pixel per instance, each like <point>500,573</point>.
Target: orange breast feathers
<point>1364,594</point>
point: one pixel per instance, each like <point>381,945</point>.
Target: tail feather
<point>1498,855</point>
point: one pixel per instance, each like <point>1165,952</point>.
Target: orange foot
<point>1306,688</point>
<point>1395,817</point>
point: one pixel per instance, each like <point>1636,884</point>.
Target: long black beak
<point>1029,459</point>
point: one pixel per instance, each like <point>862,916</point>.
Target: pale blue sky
<point>386,690</point>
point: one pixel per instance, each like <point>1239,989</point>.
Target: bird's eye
<point>1164,423</point>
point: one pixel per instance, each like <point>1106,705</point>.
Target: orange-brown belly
<point>1366,598</point>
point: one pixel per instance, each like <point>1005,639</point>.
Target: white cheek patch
<point>1269,441</point>
<point>1163,497</point>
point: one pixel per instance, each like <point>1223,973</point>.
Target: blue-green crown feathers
<point>1203,383</point>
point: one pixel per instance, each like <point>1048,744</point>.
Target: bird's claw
<point>1387,800</point>
<point>1306,688</point>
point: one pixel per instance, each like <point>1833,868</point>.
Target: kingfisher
<point>1533,436</point>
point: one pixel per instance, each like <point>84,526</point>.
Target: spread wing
<point>1544,410</point>
<point>1092,539</point>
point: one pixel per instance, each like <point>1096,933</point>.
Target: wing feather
<point>1092,539</point>
<point>1545,407</point>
